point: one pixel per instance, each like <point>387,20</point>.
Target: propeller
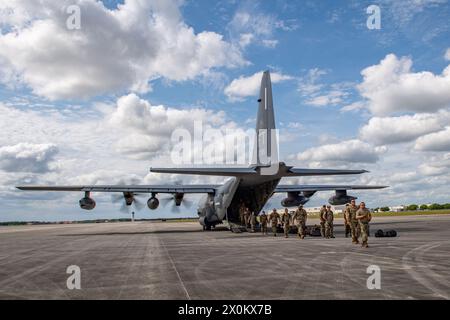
<point>136,203</point>
<point>173,198</point>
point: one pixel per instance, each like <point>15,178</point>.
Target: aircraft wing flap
<point>301,188</point>
<point>129,188</point>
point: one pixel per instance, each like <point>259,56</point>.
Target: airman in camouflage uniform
<point>241,214</point>
<point>300,217</point>
<point>350,212</point>
<point>247,214</point>
<point>286,220</point>
<point>329,226</point>
<point>273,218</point>
<point>253,221</point>
<point>364,216</point>
<point>263,222</point>
<point>322,220</point>
<point>347,222</point>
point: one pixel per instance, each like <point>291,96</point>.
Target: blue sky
<point>67,96</point>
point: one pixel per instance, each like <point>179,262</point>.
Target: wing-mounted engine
<point>153,202</point>
<point>295,199</point>
<point>341,198</point>
<point>87,203</point>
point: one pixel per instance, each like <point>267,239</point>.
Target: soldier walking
<point>273,218</point>
<point>322,220</point>
<point>364,216</point>
<point>351,216</point>
<point>246,217</point>
<point>286,220</point>
<point>241,213</point>
<point>329,226</point>
<point>263,222</point>
<point>347,222</point>
<point>299,218</point>
<point>253,221</point>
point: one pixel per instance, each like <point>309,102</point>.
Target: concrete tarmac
<point>166,260</point>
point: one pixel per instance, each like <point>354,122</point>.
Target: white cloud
<point>244,87</point>
<point>390,130</point>
<point>346,151</point>
<point>402,12</point>
<point>270,43</point>
<point>147,129</point>
<point>320,94</point>
<point>252,26</point>
<point>391,86</point>
<point>447,54</point>
<point>27,157</point>
<point>355,106</point>
<point>331,98</point>
<point>122,49</point>
<point>308,85</point>
<point>437,141</point>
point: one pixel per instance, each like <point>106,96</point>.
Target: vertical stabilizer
<point>266,144</point>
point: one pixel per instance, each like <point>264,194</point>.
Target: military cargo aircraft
<point>252,185</point>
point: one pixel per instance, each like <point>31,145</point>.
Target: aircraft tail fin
<point>265,151</point>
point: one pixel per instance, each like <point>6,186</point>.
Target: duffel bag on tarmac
<point>385,234</point>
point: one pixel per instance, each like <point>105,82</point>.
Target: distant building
<point>397,208</point>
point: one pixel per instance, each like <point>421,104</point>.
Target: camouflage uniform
<point>364,224</point>
<point>300,217</point>
<point>263,222</point>
<point>286,220</point>
<point>322,221</point>
<point>329,218</point>
<point>246,217</point>
<point>347,223</point>
<point>253,221</point>
<point>241,214</point>
<point>273,218</point>
<point>351,218</point>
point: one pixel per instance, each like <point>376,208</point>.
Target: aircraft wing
<point>320,172</point>
<point>311,188</point>
<point>128,188</point>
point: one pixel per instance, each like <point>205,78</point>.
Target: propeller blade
<point>138,204</point>
<point>116,198</point>
<point>124,208</point>
<point>175,208</point>
<point>188,203</point>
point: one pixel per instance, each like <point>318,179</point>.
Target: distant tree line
<point>415,207</point>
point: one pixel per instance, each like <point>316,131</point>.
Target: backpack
<point>315,231</point>
<point>385,234</point>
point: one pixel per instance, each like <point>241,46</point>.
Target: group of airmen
<point>356,220</point>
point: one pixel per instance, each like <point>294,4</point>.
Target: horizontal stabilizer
<point>207,171</point>
<point>308,188</point>
<point>321,172</point>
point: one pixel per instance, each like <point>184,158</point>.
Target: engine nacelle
<point>87,203</point>
<point>341,198</point>
<point>178,198</point>
<point>153,203</point>
<point>294,199</point>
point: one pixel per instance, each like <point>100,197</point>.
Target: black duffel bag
<point>385,234</point>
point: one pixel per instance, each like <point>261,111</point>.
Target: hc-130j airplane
<point>252,185</point>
